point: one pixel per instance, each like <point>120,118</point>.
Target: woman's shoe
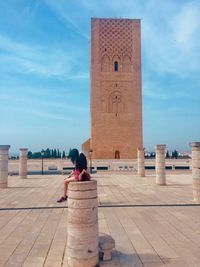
<point>62,199</point>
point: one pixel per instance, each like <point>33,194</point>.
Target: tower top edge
<point>94,18</point>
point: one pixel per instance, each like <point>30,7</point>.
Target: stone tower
<point>115,89</point>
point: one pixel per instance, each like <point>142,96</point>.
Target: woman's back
<point>81,164</point>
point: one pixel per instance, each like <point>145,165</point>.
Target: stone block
<point>83,186</point>
<point>106,242</point>
<point>83,216</point>
<point>106,245</point>
<point>91,262</point>
<point>84,203</point>
<point>87,194</point>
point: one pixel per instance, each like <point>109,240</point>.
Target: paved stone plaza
<point>148,223</point>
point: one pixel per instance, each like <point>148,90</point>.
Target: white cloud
<point>35,103</point>
<point>81,76</point>
<point>50,115</point>
<point>152,90</point>
<point>33,112</point>
<point>185,24</point>
<point>173,45</point>
<point>170,29</point>
<point>62,8</point>
<point>51,61</point>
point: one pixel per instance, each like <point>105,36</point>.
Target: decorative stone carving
<point>115,102</point>
<point>126,63</point>
<point>115,36</point>
<point>105,63</point>
<point>114,96</point>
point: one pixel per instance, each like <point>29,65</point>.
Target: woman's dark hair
<point>73,155</point>
<point>81,162</point>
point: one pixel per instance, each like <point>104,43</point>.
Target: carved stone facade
<point>115,69</point>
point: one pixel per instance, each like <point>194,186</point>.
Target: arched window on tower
<point>116,63</point>
<point>115,66</point>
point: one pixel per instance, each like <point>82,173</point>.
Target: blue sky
<point>44,70</point>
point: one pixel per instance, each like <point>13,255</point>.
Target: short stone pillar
<point>160,164</point>
<point>23,162</point>
<point>4,166</point>
<point>196,170</point>
<point>140,161</point>
<point>106,245</point>
<point>82,238</point>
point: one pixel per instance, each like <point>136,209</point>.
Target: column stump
<point>141,162</point>
<point>4,166</point>
<point>106,245</point>
<point>82,239</point>
<point>196,170</point>
<point>160,165</point>
<point>23,163</point>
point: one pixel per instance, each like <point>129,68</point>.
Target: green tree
<point>37,155</point>
<point>54,153</point>
<point>152,155</point>
<point>167,154</point>
<point>63,154</point>
<point>30,155</point>
<point>58,153</point>
<point>175,154</point>
<point>47,153</point>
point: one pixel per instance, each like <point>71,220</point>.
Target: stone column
<point>23,162</point>
<point>196,170</point>
<point>140,161</point>
<point>82,238</point>
<point>160,164</point>
<point>4,166</point>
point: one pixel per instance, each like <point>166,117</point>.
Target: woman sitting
<point>79,173</point>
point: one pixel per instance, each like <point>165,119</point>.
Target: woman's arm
<point>70,175</point>
<point>80,175</point>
